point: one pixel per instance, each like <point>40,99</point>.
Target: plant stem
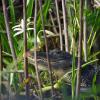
<point>85,35</point>
<point>46,45</point>
<point>35,52</point>
<point>52,20</point>
<point>8,33</point>
<point>79,50</point>
<point>65,25</point>
<point>25,49</point>
<point>0,63</point>
<point>1,67</point>
<point>59,23</point>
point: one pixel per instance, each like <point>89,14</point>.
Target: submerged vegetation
<point>37,35</point>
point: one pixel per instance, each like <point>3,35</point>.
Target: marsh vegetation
<point>49,50</point>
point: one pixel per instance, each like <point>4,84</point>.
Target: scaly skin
<point>61,63</point>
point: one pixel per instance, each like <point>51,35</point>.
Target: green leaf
<point>12,12</point>
<point>29,7</point>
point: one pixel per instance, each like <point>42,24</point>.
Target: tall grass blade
<point>9,33</point>
<point>12,12</point>
<point>79,51</point>
<point>30,4</point>
<point>65,21</point>
<point>59,25</point>
<point>45,8</point>
<point>46,46</point>
<point>35,52</point>
<point>25,49</point>
<point>73,75</point>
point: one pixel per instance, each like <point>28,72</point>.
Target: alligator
<point>61,63</point>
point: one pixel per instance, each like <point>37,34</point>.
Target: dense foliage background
<point>61,28</point>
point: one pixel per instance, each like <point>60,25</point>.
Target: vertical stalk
<point>8,33</point>
<point>52,20</point>
<point>65,25</point>
<point>46,44</point>
<point>25,49</point>
<point>35,52</point>
<point>59,24</point>
<point>85,34</point>
<point>0,62</point>
<point>73,70</point>
<point>79,50</point>
<point>1,67</point>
